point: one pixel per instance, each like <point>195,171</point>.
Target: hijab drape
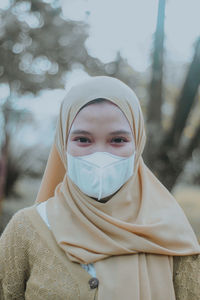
<point>131,239</point>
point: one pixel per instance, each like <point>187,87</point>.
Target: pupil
<point>83,140</point>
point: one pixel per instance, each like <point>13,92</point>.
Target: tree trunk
<point>155,89</point>
<point>185,100</point>
<point>3,159</point>
<point>173,156</point>
<point>154,128</point>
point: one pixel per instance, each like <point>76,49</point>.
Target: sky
<point>128,26</point>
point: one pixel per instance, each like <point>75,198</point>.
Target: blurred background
<point>46,46</point>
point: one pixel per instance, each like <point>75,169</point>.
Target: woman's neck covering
<point>131,239</point>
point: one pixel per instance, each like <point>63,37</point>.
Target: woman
<point>110,230</point>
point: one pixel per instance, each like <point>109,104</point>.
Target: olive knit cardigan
<point>33,266</point>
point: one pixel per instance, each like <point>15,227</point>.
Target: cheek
<point>74,150</point>
<point>71,149</point>
<point>124,151</point>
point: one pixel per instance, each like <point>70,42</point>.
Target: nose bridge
<point>100,147</point>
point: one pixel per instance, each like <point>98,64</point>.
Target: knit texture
<point>41,208</point>
<point>33,266</point>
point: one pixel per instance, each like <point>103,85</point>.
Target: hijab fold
<point>131,239</point>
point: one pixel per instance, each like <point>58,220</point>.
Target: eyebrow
<point>118,132</point>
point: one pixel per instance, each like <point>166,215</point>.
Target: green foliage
<point>37,46</point>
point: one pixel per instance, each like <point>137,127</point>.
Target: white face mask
<point>100,174</point>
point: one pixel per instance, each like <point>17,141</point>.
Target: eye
<point>118,140</point>
<point>82,140</point>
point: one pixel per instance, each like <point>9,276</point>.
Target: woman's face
<point>100,127</point>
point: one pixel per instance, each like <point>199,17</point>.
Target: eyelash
<point>84,138</point>
<point>79,138</point>
<point>120,138</point>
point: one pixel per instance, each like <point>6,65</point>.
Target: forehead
<point>102,113</point>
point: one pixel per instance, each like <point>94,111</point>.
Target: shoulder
<point>19,224</point>
<point>186,276</point>
<point>21,215</point>
<point>15,243</point>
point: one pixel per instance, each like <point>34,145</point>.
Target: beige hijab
<point>131,238</point>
